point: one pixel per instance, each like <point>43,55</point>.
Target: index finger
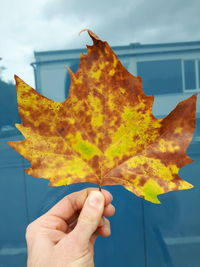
<point>74,202</point>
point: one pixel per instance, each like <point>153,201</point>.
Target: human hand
<point>65,235</point>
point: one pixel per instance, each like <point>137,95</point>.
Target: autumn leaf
<point>105,132</point>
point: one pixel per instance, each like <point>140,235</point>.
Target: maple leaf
<point>105,132</point>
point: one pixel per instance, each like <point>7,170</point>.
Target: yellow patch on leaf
<point>105,132</point>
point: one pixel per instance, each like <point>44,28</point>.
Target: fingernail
<point>95,198</point>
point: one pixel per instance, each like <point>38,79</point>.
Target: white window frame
<point>197,89</point>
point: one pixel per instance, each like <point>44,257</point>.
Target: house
<point>170,71</point>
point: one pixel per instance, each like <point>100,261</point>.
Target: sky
<point>41,25</point>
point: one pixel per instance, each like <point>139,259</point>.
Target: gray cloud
<point>122,22</point>
<point>54,24</point>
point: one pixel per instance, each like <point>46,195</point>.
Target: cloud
<point>122,22</point>
<point>54,24</point>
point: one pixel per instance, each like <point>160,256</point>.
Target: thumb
<point>90,216</point>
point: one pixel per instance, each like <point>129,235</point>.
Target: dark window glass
<point>197,130</point>
<point>189,71</point>
<point>160,77</point>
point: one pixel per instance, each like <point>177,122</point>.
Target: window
<point>161,76</point>
<point>191,75</point>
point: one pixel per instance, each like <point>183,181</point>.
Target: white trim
<point>186,240</point>
<point>196,74</point>
<point>12,251</point>
<point>197,89</point>
<point>192,90</point>
<point>183,75</point>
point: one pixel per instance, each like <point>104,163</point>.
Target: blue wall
<point>143,234</point>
